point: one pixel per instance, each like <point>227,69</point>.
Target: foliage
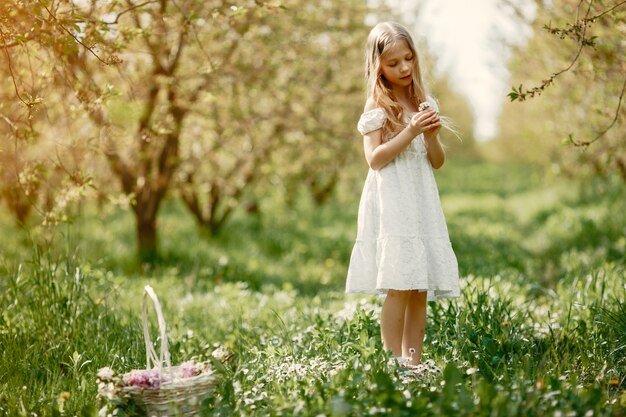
<point>141,140</point>
<point>525,338</point>
<point>218,103</point>
<point>44,165</point>
<point>46,304</point>
<point>585,100</point>
<point>281,111</point>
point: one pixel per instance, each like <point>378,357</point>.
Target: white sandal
<point>426,367</point>
<point>404,361</point>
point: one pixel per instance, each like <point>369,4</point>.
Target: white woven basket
<point>176,396</point>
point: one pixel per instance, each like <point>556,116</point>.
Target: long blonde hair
<point>381,37</point>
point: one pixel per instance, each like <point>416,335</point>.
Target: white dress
<point>402,238</point>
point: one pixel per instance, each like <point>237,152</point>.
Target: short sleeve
<point>371,120</point>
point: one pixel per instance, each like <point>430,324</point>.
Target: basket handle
<point>151,355</point>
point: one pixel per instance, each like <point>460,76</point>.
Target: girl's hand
<point>426,121</point>
<point>433,129</point>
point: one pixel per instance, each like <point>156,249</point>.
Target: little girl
<point>402,246</point>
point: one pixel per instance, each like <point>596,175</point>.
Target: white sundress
<point>402,238</point>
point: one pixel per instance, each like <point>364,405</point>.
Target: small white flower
<point>220,353</point>
<point>471,371</point>
<point>105,373</point>
<point>107,391</point>
<point>103,412</point>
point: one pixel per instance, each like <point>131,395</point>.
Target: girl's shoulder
<point>370,104</point>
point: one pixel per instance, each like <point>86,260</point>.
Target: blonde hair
<point>380,39</point>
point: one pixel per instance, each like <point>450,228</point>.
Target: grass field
<point>540,329</point>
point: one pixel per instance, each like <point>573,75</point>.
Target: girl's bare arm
<point>436,154</point>
<point>379,154</point>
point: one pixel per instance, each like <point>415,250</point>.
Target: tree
<point>220,102</point>
<point>289,99</point>
<point>42,165</point>
<point>328,96</point>
<point>585,40</point>
<point>237,123</point>
<point>149,56</point>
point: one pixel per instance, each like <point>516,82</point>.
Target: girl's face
<point>397,64</point>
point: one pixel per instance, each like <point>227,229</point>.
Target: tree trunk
<point>322,190</point>
<point>621,166</point>
<point>19,205</point>
<point>147,243</point>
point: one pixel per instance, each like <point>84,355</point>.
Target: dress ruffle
<point>405,263</point>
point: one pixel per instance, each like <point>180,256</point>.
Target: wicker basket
<point>176,396</point>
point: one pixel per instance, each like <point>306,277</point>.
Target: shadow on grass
<point>487,242</point>
<point>306,247</point>
<point>591,225</point>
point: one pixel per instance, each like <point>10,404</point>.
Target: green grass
<point>542,315</point>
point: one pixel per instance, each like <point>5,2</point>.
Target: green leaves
<point>612,316</point>
<point>520,94</point>
<point>515,94</point>
<point>517,343</point>
<point>584,50</point>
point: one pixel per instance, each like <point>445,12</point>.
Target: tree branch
<point>121,169</point>
<point>520,93</point>
<point>136,6</point>
<point>603,132</point>
<point>171,68</point>
<point>591,19</point>
<point>28,104</point>
<point>72,35</point>
<point>153,49</point>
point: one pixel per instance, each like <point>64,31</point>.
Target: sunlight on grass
<point>538,328</point>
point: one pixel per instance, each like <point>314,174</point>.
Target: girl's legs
<point>414,325</point>
<point>392,320</point>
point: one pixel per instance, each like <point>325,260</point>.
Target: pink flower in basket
<point>189,369</point>
<point>144,378</point>
<point>161,386</point>
<point>151,379</point>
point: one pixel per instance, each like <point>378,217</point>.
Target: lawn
<point>540,328</point>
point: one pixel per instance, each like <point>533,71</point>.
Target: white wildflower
<point>105,374</point>
<point>104,411</point>
<point>471,371</point>
<point>106,390</point>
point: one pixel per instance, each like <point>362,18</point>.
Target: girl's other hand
<point>425,121</point>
